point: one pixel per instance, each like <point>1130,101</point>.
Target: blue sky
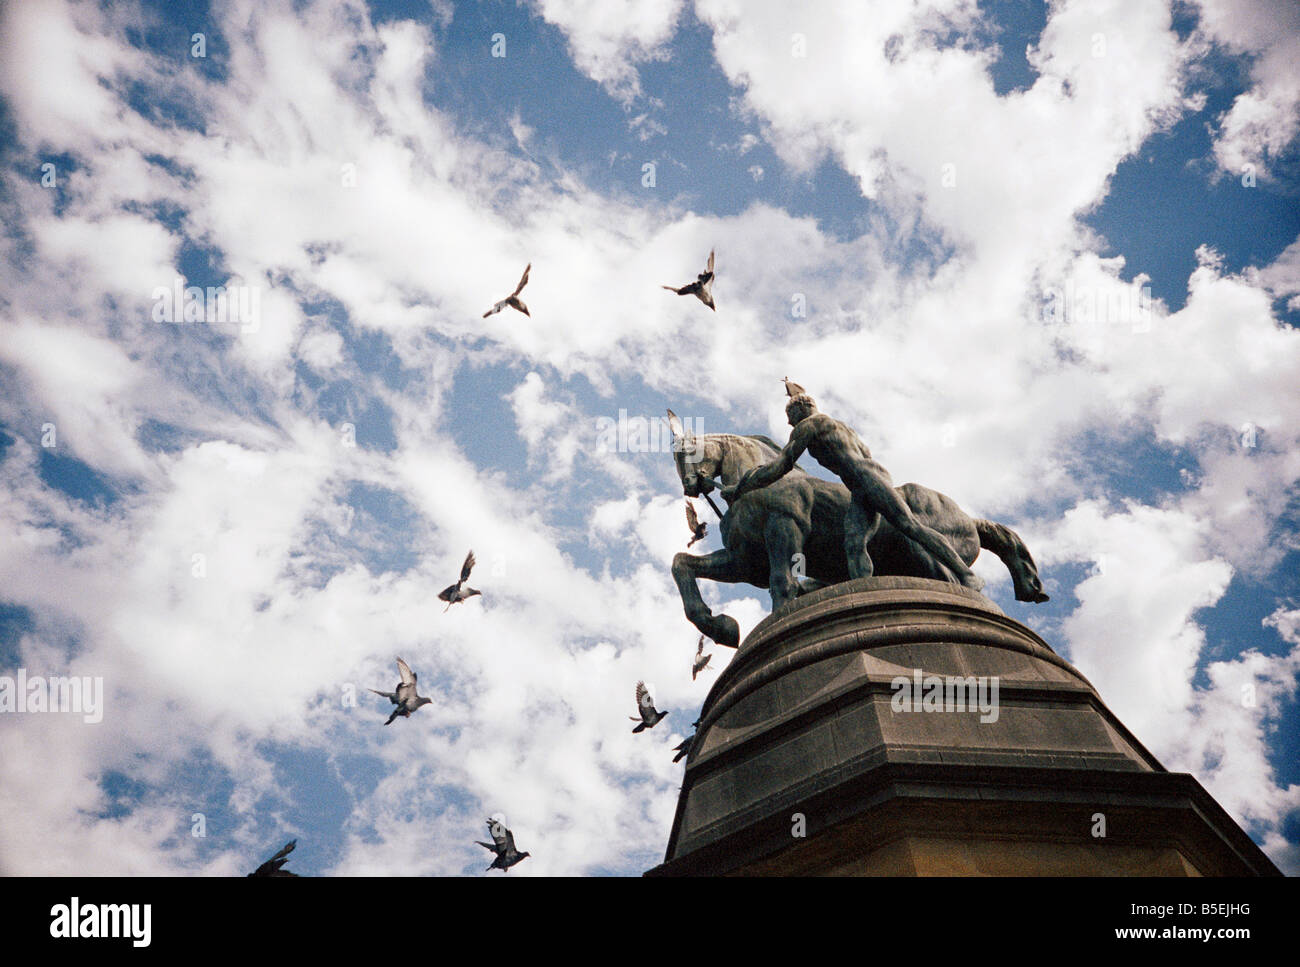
<point>240,524</point>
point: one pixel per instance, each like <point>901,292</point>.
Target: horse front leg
<point>718,566</point>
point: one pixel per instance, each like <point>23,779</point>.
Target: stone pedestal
<point>809,761</point>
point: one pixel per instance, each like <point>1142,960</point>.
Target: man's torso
<point>841,451</point>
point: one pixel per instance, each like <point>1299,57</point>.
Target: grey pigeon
<point>405,698</point>
<point>513,300</point>
<point>645,704</point>
<point>453,593</point>
<point>793,389</point>
<point>683,749</point>
<point>273,866</point>
<point>701,659</point>
<point>503,844</point>
<point>701,288</point>
<point>698,530</point>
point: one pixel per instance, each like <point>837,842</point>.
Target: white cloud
<point>1264,120</point>
<point>551,429</point>
<point>90,391</point>
<point>607,40</point>
<point>1136,636</point>
<point>1134,633</point>
<point>1236,716</point>
<point>533,681</point>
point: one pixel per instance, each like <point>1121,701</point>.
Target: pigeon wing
<point>710,262</point>
<point>285,850</point>
<point>467,566</point>
<point>408,676</point>
<point>692,519</point>
<point>644,700</point>
<point>523,280</point>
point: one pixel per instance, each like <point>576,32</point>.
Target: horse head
<point>697,457</point>
<point>704,459</point>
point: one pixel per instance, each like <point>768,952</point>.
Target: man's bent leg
<point>894,509</point>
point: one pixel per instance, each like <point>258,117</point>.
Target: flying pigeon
<point>454,592</point>
<point>698,530</point>
<point>513,300</point>
<point>272,867</point>
<point>701,288</point>
<point>645,704</point>
<point>683,749</point>
<point>701,659</point>
<point>793,389</point>
<point>503,844</point>
<point>405,698</point>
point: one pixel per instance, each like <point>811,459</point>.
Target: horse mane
<point>766,441</point>
<point>776,447</point>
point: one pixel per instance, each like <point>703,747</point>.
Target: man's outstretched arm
<point>770,473</point>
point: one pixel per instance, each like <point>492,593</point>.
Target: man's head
<point>799,408</point>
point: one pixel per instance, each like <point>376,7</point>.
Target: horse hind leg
<point>1011,550</point>
<point>860,526</point>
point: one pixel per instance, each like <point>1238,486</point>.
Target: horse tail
<point>1011,550</point>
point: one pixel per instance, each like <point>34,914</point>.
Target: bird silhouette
<point>513,300</point>
<point>701,659</point>
<point>683,748</point>
<point>455,592</point>
<point>701,288</point>
<point>273,866</point>
<point>698,530</point>
<point>405,697</point>
<point>793,389</point>
<point>503,844</point>
<point>645,704</point>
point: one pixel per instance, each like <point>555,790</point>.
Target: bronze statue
<point>788,536</point>
<point>874,499</point>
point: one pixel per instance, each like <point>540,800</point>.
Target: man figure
<point>837,448</point>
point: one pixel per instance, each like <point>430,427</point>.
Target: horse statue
<point>794,529</point>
